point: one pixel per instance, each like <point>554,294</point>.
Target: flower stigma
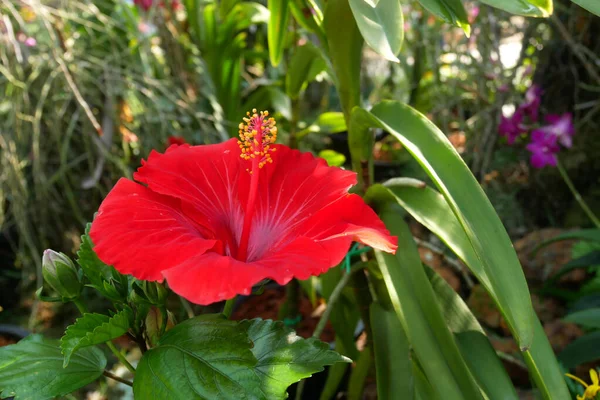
<point>257,133</point>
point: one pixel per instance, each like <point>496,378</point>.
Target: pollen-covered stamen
<point>257,133</point>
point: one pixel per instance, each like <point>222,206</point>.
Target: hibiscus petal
<point>212,277</point>
<point>351,217</point>
<point>158,234</point>
<point>206,178</point>
<point>292,189</point>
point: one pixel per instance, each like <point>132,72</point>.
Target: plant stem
<point>120,356</point>
<point>228,308</point>
<point>117,378</point>
<point>333,298</point>
<point>577,196</point>
<point>335,294</point>
<point>292,300</point>
<point>80,306</point>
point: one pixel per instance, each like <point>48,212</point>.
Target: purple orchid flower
<point>512,127</point>
<point>531,105</point>
<point>560,126</point>
<point>543,148</point>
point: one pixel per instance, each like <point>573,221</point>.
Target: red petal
<point>143,233</point>
<point>291,189</point>
<point>351,217</point>
<point>206,177</point>
<point>212,277</point>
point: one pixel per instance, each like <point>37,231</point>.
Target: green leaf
<point>277,28</point>
<point>589,260</point>
<point>208,357</point>
<point>335,374</point>
<point>269,97</point>
<point>589,318</point>
<point>345,52</point>
<point>381,25</point>
<point>592,6</point>
<point>333,158</point>
<point>392,355</point>
<point>310,288</point>
<point>469,204</point>
<point>249,13</point>
<point>529,8</point>
<point>590,235</point>
<point>284,357</point>
<point>329,122</point>
<point>102,277</point>
<point>33,369</point>
<point>429,209</point>
<point>305,65</point>
<point>451,11</point>
<point>472,341</point>
<point>309,16</point>
<point>92,329</point>
<point>416,306</point>
<point>359,374</point>
<point>582,350</point>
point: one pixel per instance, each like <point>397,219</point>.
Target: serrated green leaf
<point>529,8</point>
<point>277,28</point>
<point>381,25</point>
<point>92,329</point>
<point>100,275</point>
<point>33,369</point>
<point>284,357</point>
<point>451,11</point>
<point>95,270</point>
<point>592,6</point>
<point>305,65</point>
<point>204,357</point>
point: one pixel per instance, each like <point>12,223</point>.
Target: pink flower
<point>543,149</point>
<point>512,127</point>
<point>30,42</point>
<point>531,105</point>
<point>561,126</point>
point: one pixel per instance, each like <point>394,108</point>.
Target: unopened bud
<point>61,275</point>
<point>154,324</point>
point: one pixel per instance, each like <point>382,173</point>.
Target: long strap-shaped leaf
<point>472,209</point>
<point>414,301</point>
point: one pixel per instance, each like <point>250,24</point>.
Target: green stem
<point>292,300</point>
<point>577,196</point>
<point>80,306</point>
<point>120,356</point>
<point>228,309</point>
<point>333,298</point>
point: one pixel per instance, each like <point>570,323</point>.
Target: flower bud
<point>154,324</point>
<point>61,275</point>
<point>155,292</point>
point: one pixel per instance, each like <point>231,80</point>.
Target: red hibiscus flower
<point>215,220</point>
<point>171,140</point>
